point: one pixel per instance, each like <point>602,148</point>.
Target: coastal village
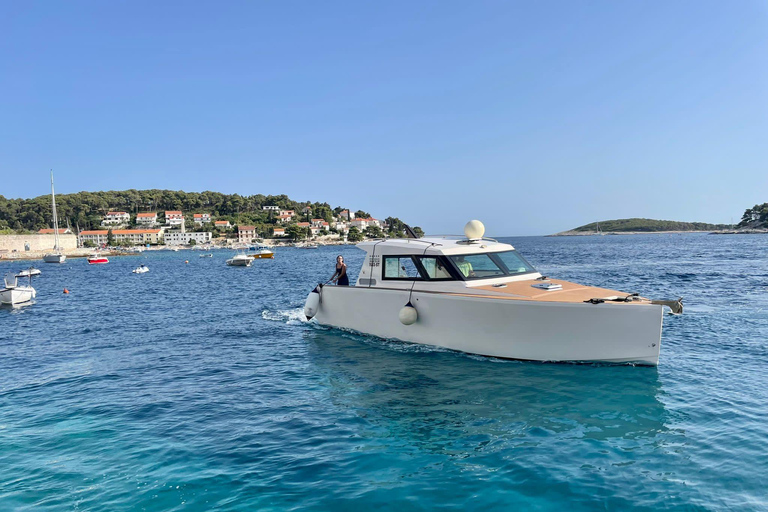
<point>172,228</point>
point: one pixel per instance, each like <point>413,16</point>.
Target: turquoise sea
<point>198,387</point>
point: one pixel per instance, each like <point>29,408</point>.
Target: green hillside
<point>648,226</point>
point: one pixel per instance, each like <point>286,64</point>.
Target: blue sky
<point>531,116</point>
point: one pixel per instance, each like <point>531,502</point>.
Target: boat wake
<point>287,316</point>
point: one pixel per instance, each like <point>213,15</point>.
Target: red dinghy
<point>95,259</point>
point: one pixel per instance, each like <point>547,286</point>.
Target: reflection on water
<point>498,419</point>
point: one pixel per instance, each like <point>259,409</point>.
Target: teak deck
<point>571,292</point>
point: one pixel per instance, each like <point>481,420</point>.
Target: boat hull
<point>238,263</point>
<point>18,295</point>
<point>511,329</point>
<point>97,261</point>
<point>54,258</point>
<point>262,256</point>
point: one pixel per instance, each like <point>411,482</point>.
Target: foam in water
<point>288,316</point>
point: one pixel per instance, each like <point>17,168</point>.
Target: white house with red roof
<point>285,217</point>
<point>146,219</point>
<point>202,218</point>
<point>278,232</point>
<point>222,224</point>
<point>346,215</point>
<point>174,218</point>
<point>116,219</point>
<point>361,223</point>
<point>288,212</point>
<point>246,234</point>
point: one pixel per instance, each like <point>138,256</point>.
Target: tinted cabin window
<point>515,263</point>
<point>400,267</point>
<point>434,268</point>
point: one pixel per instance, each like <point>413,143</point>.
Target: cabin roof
<point>434,245</point>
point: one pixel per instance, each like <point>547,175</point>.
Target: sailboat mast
<point>55,217</point>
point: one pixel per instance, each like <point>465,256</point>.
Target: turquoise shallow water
<point>198,387</point>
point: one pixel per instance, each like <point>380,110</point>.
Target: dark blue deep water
<point>198,387</point>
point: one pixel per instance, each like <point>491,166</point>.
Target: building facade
<point>116,219</point>
<point>183,238</point>
<point>246,234</point>
<point>146,219</point>
<point>174,218</point>
<point>202,218</point>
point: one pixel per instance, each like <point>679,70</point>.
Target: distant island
<point>636,225</point>
<point>754,220</point>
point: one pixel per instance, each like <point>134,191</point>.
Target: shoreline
<point>710,232</point>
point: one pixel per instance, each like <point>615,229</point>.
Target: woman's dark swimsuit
<point>343,280</point>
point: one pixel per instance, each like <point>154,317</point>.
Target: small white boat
<point>210,255</point>
<point>240,260</point>
<point>480,296</point>
<point>13,294</point>
<point>308,246</point>
<point>141,269</point>
<point>31,271</point>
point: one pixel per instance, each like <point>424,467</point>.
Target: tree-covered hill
<point>755,217</point>
<point>647,226</point>
<point>84,210</point>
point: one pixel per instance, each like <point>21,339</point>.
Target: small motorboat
<point>31,271</point>
<point>13,294</point>
<point>240,260</point>
<point>262,252</point>
<point>97,259</point>
<point>480,296</point>
<point>210,255</point>
<point>308,246</point>
<point>141,269</point>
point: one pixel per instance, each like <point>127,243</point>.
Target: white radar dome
<point>474,229</point>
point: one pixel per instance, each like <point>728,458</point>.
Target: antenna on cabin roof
<point>409,232</point>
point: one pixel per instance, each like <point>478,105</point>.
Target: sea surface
<point>199,386</point>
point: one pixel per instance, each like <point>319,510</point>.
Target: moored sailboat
<point>56,256</point>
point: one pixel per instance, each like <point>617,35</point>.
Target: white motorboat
<point>209,255</point>
<point>479,296</point>
<point>141,269</point>
<point>308,246</point>
<point>240,260</point>
<point>56,256</point>
<point>27,272</point>
<point>13,293</point>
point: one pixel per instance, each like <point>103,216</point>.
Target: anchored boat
<point>481,296</point>
<point>240,260</point>
<point>56,256</point>
<point>97,259</point>
<point>13,293</point>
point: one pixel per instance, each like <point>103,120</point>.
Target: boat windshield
<point>490,265</point>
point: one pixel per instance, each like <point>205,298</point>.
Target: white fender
<point>408,315</point>
<point>312,305</point>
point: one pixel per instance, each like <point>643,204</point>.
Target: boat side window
<point>401,267</point>
<point>514,262</point>
<point>434,267</point>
